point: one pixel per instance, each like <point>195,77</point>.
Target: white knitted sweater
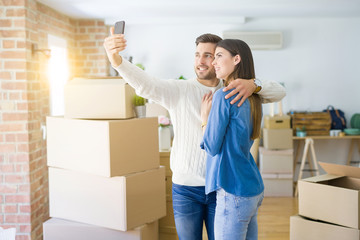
<point>182,98</point>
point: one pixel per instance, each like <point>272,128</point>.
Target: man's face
<point>204,56</point>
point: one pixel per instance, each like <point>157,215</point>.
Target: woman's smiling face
<point>224,63</point>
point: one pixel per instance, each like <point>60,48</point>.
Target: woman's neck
<point>228,80</point>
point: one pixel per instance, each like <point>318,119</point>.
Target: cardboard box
<point>120,203</point>
<point>333,197</point>
<point>168,233</point>
<point>165,161</point>
<point>99,99</point>
<point>277,139</point>
<point>103,147</point>
<point>277,122</point>
<point>169,219</point>
<point>276,161</point>
<point>168,183</point>
<point>278,185</point>
<point>60,229</point>
<point>306,229</point>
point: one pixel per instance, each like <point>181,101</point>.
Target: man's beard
<point>209,76</point>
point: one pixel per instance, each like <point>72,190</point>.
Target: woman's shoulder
<point>220,96</point>
<point>220,93</point>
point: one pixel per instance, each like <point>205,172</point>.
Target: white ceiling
<point>201,11</point>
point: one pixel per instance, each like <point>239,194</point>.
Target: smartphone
<point>119,27</point>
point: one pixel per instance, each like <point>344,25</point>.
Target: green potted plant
<point>301,132</point>
<point>139,105</point>
<point>140,66</point>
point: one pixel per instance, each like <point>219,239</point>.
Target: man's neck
<point>209,82</point>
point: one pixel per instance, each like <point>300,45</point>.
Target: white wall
<point>319,62</point>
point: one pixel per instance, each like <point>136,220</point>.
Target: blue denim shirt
<point>227,142</point>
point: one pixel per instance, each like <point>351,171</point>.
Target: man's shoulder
<point>182,81</point>
<point>186,81</point>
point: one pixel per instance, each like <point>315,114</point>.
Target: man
<point>183,101</point>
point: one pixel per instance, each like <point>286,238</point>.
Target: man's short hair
<point>208,38</point>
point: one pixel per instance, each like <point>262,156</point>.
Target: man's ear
<point>237,59</point>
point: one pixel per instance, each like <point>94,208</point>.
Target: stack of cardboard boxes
<point>329,205</point>
<point>167,229</point>
<point>105,181</point>
<point>276,157</point>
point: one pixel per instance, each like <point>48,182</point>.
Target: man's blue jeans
<point>236,217</point>
<point>191,208</point>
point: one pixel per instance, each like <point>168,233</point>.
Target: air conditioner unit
<point>257,40</point>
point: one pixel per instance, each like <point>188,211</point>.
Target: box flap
<point>321,178</point>
<point>341,170</point>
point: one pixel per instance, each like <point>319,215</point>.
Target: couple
<point>183,100</point>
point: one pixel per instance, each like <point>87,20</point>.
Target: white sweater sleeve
<point>164,92</point>
<point>271,91</point>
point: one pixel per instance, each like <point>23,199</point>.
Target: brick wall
<point>14,134</point>
<point>24,103</point>
<point>91,60</point>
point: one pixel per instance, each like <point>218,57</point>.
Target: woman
<point>229,132</point>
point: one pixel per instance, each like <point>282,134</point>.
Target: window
<point>58,73</point>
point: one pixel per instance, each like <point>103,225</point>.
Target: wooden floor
<point>274,217</point>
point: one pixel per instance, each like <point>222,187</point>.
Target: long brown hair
<point>245,70</point>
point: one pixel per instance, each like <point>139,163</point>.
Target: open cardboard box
<point>333,197</point>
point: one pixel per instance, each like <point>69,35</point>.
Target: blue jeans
<point>191,208</point>
<point>236,217</point>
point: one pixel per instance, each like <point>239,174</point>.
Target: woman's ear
<point>237,59</point>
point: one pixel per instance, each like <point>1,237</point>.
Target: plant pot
<point>164,138</point>
<point>140,111</point>
<point>301,133</point>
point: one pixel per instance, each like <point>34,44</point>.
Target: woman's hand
<point>114,44</point>
<point>206,107</point>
